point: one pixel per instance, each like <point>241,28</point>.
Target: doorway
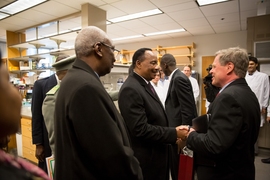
<point>206,61</point>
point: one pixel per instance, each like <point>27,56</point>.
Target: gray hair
<point>237,56</point>
<point>86,38</point>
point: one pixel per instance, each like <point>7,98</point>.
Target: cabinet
<point>183,54</point>
<point>28,148</point>
<point>258,30</point>
<point>26,55</point>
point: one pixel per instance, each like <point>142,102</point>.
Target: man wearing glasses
<point>91,141</point>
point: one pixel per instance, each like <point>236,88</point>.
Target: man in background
<point>187,70</point>
<point>91,141</point>
<point>259,84</point>
<point>39,131</point>
<point>179,104</point>
<point>48,106</point>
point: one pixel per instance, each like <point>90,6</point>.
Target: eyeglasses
<point>111,47</point>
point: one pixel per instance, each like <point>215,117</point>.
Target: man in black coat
<point>226,150</point>
<point>152,137</point>
<point>91,141</point>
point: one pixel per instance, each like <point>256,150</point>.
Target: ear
<point>138,64</point>
<point>98,49</point>
<point>230,67</point>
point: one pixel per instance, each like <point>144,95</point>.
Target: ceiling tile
<point>201,31</point>
<point>226,27</point>
<point>181,34</point>
<point>60,11</point>
<point>184,15</point>
<point>157,20</point>
<point>132,24</point>
<point>179,7</point>
<point>194,23</point>
<point>112,12</point>
<point>20,22</point>
<point>77,4</point>
<point>134,6</point>
<point>145,30</point>
<point>226,18</point>
<point>162,3</point>
<point>246,5</point>
<point>169,26</point>
<point>34,15</point>
<point>220,8</point>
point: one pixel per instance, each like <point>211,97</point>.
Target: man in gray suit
<point>91,141</point>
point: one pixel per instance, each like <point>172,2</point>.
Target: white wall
<point>206,45</point>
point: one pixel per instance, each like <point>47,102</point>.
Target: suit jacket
<point>91,141</point>
<point>151,136</point>
<point>39,131</point>
<point>180,104</point>
<point>232,131</point>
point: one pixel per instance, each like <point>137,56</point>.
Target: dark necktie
<point>152,88</point>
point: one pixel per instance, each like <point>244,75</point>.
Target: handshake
<point>182,134</point>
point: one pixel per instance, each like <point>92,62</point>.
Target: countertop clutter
<point>26,111</point>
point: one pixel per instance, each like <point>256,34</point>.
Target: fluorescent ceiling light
<point>20,5</point>
<point>136,15</point>
<point>165,32</point>
<point>207,2</point>
<point>2,15</point>
<point>128,37</point>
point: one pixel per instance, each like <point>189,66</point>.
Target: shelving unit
<point>183,54</point>
<point>34,50</point>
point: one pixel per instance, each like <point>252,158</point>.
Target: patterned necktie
<point>152,88</point>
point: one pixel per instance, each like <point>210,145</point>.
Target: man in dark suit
<point>91,141</point>
<point>226,150</point>
<point>152,137</point>
<point>39,131</point>
<point>179,104</point>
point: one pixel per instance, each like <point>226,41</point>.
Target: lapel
<point>171,84</point>
<point>146,87</point>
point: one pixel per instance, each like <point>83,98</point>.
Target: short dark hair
<point>139,55</point>
<point>168,59</point>
<point>254,59</point>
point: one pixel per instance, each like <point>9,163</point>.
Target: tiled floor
<point>262,169</point>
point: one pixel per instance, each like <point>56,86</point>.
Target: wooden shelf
<point>178,52</point>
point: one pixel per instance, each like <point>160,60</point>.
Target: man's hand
<point>181,144</point>
<point>268,119</point>
<point>40,153</point>
<point>182,132</point>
